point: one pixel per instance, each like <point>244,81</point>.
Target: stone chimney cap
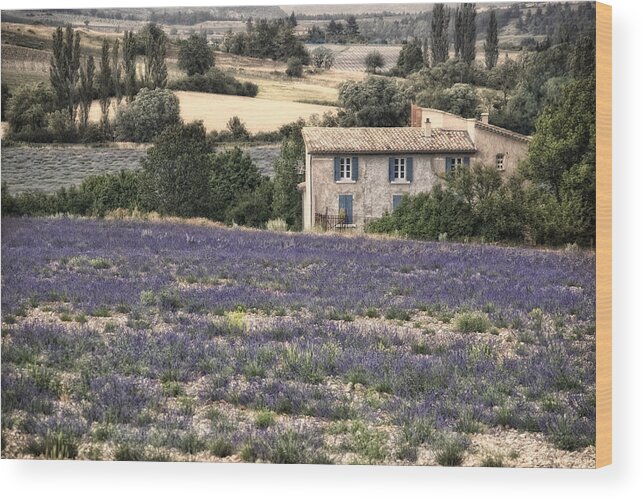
<point>427,127</point>
<point>484,117</point>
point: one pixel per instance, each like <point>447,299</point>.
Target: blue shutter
<point>336,168</point>
<point>465,161</point>
<point>397,199</point>
<point>346,205</point>
<point>409,169</point>
<point>354,168</point>
<point>447,164</point>
<point>391,169</point>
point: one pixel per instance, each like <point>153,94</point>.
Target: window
<point>456,164</point>
<point>345,168</point>
<point>400,169</point>
<point>399,172</point>
<point>500,161</point>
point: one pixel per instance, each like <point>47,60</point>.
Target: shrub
<point>294,67</point>
<point>277,225</point>
<point>151,112</point>
<point>472,322</point>
<point>449,451</point>
<point>27,113</point>
<point>322,57</point>
<point>221,448</point>
<point>264,419</point>
<point>215,82</point>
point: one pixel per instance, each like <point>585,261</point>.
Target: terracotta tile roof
<point>326,140</point>
<point>502,131</point>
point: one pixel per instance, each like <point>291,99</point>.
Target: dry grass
<point>259,115</point>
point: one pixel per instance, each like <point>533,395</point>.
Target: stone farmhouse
<point>354,175</point>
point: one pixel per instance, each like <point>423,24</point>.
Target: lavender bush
<point>158,341</point>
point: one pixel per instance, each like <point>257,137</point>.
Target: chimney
<point>427,128</point>
<point>484,117</point>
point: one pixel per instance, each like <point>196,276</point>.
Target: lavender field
<point>133,340</point>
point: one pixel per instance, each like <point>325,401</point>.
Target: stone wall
<point>372,192</point>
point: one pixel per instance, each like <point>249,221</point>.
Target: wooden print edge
<point>603,235</point>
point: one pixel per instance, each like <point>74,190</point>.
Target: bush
<point>215,82</point>
<point>294,67</point>
<point>277,225</point>
<point>322,57</point>
<point>472,322</point>
<point>151,112</point>
<point>27,113</point>
<point>60,126</point>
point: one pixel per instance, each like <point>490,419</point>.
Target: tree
<point>565,137</point>
<point>86,90</point>
<point>468,35</point>
<point>458,31</point>
<point>322,57</point>
<point>155,41</point>
<point>491,43</point>
<point>292,20</point>
<point>287,200</point>
<point>410,58</point>
<point>147,116</point>
<point>195,55</point>
<point>440,34</point>
<point>294,67</point>
<point>64,69</point>
<point>237,128</point>
<point>374,60</point>
<point>374,102</point>
<point>117,85</point>
<point>233,175</point>
<point>352,28</point>
<point>129,66</point>
<point>27,112</point>
<point>176,171</point>
<point>104,86</point>
<point>6,95</point>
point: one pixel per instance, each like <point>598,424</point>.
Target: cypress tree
<point>104,86</point>
<point>440,34</point>
<point>468,32</point>
<point>86,90</point>
<point>64,69</point>
<point>117,85</point>
<point>491,43</point>
<point>458,33</point>
<point>129,66</point>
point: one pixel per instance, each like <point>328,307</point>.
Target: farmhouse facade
<point>357,174</point>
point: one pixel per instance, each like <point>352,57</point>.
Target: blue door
<point>346,207</point>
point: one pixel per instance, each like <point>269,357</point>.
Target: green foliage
<point>147,116</point>
<point>215,82</point>
<point>440,34</point>
<point>234,177</point>
<point>195,56</point>
<point>374,61</point>
<point>60,127</point>
<point>6,95</point>
<point>294,67</point>
<point>177,170</point>
<point>155,47</point>
<point>410,59</point>
<point>287,200</point>
<point>64,69</point>
<point>374,102</point>
<point>472,322</point>
<point>322,57</point>
<point>491,43</point>
<point>27,113</point>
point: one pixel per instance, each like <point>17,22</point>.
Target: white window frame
<point>399,169</point>
<point>500,161</point>
<point>345,168</point>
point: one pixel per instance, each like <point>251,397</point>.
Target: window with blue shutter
<point>336,164</point>
<point>346,207</point>
<point>397,199</point>
<point>391,169</point>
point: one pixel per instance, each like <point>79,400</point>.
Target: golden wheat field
<point>259,115</point>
